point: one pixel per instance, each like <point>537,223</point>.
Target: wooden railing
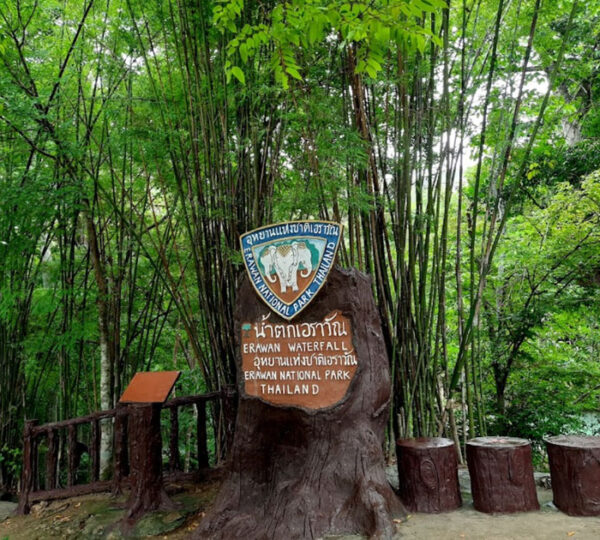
<point>69,431</point>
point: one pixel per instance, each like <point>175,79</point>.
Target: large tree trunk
<point>301,472</point>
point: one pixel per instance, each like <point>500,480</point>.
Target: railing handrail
<point>191,400</point>
<point>34,432</point>
<point>101,415</point>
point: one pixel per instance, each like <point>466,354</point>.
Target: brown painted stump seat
<point>575,472</point>
<point>428,474</point>
<point>501,475</point>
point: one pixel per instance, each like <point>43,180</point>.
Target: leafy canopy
<point>369,28</point>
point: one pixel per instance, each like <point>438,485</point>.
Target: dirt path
<point>473,525</point>
<point>95,517</point>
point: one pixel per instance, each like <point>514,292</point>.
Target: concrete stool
<point>428,474</point>
<point>501,475</point>
<point>575,472</point>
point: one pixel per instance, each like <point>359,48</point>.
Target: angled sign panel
<point>289,262</point>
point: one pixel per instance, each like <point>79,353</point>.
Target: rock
<point>6,509</point>
<point>391,472</point>
<point>101,522</point>
<point>171,517</point>
<point>543,480</point>
<point>464,480</point>
<point>38,509</point>
<point>157,523</point>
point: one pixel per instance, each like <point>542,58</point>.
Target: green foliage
<point>541,316</point>
<point>370,27</point>
<point>555,164</point>
<point>555,382</point>
<point>10,460</point>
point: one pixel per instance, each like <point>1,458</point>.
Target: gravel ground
<point>95,516</point>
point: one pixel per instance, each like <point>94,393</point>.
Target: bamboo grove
<point>140,139</point>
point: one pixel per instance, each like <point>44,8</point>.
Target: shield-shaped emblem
<point>289,262</point>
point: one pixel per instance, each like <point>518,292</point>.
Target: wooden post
<point>29,467</point>
<point>501,475</point>
<point>145,450</point>
<point>35,443</point>
<point>51,459</point>
<point>121,465</point>
<point>428,474</point>
<point>174,459</point>
<point>72,464</point>
<point>201,435</point>
<point>575,472</point>
<point>95,449</point>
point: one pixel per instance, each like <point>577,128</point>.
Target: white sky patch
<point>135,63</point>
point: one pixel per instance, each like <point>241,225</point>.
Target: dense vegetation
<point>457,143</point>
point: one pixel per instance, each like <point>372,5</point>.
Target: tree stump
<point>299,472</point>
<point>145,460</point>
<point>501,475</point>
<point>575,472</point>
<point>428,474</point>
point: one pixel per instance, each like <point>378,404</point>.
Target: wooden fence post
<point>95,449</point>
<point>29,466</point>
<point>121,465</point>
<point>174,460</point>
<point>72,463</point>
<point>51,459</point>
<point>201,434</point>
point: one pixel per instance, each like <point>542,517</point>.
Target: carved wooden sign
<point>309,364</point>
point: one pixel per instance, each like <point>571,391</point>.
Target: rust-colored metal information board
<point>306,364</point>
<point>150,387</point>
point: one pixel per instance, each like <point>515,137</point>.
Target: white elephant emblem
<point>285,260</point>
<point>304,259</point>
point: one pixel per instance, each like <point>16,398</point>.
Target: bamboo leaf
<point>293,72</point>
<point>238,74</point>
